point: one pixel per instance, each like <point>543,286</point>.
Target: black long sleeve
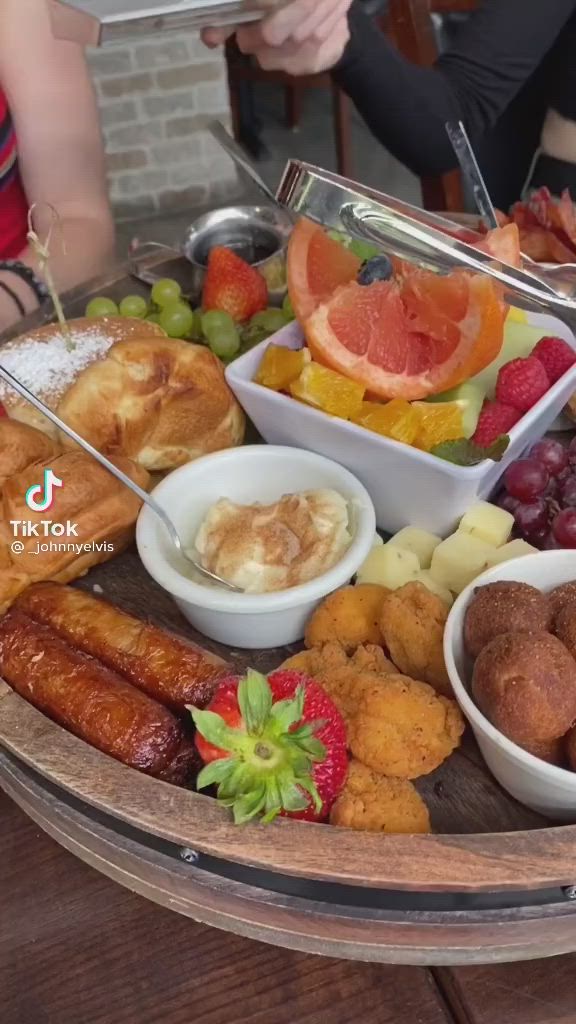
<point>499,49</point>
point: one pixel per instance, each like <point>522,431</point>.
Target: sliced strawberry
<point>233,286</point>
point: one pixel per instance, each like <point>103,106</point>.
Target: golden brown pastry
<point>562,596</point>
<point>172,670</point>
<point>412,621</point>
<point>20,446</point>
<point>99,508</point>
<point>350,616</point>
<point>158,401</point>
<point>374,803</point>
<point>552,751</point>
<point>525,684</point>
<point>402,728</point>
<point>48,364</point>
<point>504,607</point>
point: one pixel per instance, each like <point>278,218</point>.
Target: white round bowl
<point>261,473</point>
<point>542,787</point>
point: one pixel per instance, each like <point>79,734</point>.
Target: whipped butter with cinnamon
<point>266,548</point>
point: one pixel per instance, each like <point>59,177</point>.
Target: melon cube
<point>460,559</point>
<point>420,542</point>
<point>489,523</point>
<point>426,578</point>
<point>515,549</point>
<point>389,567</point>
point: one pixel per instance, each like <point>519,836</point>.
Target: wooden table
<point>77,949</point>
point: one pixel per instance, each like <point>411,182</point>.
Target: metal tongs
<point>408,232</point>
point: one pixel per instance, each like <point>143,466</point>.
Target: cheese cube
<point>489,523</point>
<point>389,567</point>
<point>420,542</point>
<point>459,560</point>
<point>426,578</point>
<point>515,549</point>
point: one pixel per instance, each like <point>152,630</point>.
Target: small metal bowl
<point>259,234</point>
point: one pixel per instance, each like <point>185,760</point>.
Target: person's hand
<point>305,37</point>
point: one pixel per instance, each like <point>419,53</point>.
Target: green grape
<point>225,343</point>
<point>177,320</point>
<point>134,306</point>
<point>364,250</point>
<point>153,318</point>
<point>288,309</point>
<point>339,236</point>
<point>213,321</point>
<point>166,292</point>
<point>271,320</point>
<point>101,306</point>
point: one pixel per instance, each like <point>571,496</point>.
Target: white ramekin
<point>541,786</point>
<point>252,473</point>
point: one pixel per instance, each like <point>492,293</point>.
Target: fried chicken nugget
<point>373,803</point>
<point>403,728</point>
<point>345,678</point>
<point>412,621</point>
<point>350,615</point>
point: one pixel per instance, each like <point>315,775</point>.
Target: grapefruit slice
<point>317,266</point>
<point>504,245</point>
<point>409,339</point>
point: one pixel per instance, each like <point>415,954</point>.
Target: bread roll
<point>44,361</point>
<point>102,511</point>
<point>20,446</point>
<point>158,401</point>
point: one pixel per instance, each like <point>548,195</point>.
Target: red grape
<point>551,454</point>
<point>572,452</point>
<point>564,528</point>
<point>550,543</point>
<point>532,519</point>
<point>568,491</point>
<point>508,503</point>
<point>526,479</point>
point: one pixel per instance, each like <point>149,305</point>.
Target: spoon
<point>234,151</point>
<point>122,477</point>
<point>561,278</point>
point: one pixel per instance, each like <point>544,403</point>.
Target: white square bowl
<point>408,487</point>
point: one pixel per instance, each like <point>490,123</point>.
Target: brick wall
<point>155,98</point>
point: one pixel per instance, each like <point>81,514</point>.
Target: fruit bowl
<point>409,487</point>
<point>543,787</point>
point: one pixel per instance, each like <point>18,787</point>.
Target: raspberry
<point>494,420</point>
<point>556,357</point>
<point>521,383</point>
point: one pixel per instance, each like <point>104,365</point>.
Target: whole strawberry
<point>521,383</point>
<point>556,357</point>
<point>494,421</point>
<point>233,286</point>
<point>272,746</point>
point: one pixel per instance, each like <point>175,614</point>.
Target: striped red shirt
<point>13,202</point>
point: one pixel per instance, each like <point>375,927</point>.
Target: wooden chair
<point>409,24</point>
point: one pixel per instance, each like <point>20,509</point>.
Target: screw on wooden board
<point>569,892</point>
<point>42,251</point>
<point>190,856</point>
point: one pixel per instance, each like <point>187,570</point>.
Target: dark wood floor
<point>77,949</point>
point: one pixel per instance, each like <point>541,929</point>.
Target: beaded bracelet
<point>27,275</point>
<point>15,298</point>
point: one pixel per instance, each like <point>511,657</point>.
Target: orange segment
<point>328,391</point>
<point>396,419</point>
<point>317,265</point>
<point>280,366</point>
<point>409,339</point>
<point>438,422</point>
<point>504,245</point>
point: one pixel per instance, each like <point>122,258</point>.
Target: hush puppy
<point>350,615</point>
<point>561,597</point>
<point>552,751</point>
<point>525,684</point>
<point>570,749</point>
<point>565,627</point>
<point>412,623</point>
<point>504,607</point>
<point>373,803</point>
<point>403,728</point>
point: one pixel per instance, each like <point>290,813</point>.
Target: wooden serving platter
<point>493,882</point>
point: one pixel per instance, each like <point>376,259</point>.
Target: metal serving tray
<point>410,233</point>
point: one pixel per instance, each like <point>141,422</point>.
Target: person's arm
<point>407,107</point>
<point>53,105</point>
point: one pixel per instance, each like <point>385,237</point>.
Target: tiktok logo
<point>40,497</point>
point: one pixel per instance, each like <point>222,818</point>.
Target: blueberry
<point>379,268</point>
